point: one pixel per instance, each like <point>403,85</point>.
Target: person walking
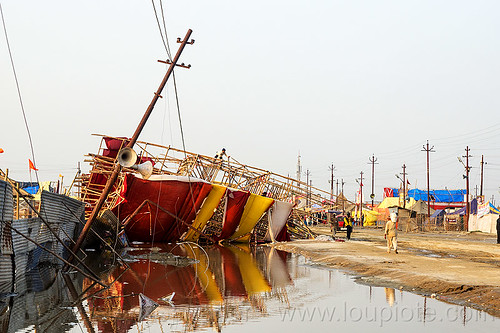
<point>333,227</point>
<point>348,224</point>
<point>391,234</point>
<point>498,230</point>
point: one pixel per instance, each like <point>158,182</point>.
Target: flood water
<point>228,289</point>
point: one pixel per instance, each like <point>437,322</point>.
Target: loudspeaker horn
<point>145,169</point>
<point>127,157</point>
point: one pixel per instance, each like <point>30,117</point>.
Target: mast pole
<point>116,171</point>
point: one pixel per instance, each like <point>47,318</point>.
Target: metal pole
<point>337,189</point>
<point>343,196</point>
<point>428,186</point>
<point>310,192</point>
<point>112,179</point>
<point>482,164</point>
<point>426,149</point>
<point>467,208</point>
<point>307,187</point>
<point>361,196</point>
<point>17,201</point>
<point>331,184</point>
<point>372,161</point>
<point>404,186</point>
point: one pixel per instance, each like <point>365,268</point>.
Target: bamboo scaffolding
<point>230,174</point>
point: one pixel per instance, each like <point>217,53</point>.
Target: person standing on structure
<point>391,234</point>
<point>221,154</point>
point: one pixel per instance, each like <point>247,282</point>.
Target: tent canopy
<point>396,202</point>
<point>436,195</point>
<point>420,207</point>
<point>493,209</point>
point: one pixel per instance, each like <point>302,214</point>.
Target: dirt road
<point>462,268</point>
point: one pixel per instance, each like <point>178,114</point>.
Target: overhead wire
<point>164,36</point>
<point>440,161</point>
<point>19,92</point>
<point>164,39</point>
<point>167,49</point>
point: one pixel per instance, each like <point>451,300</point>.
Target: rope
<point>19,92</point>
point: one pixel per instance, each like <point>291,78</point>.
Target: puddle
<point>430,254</point>
<point>229,289</point>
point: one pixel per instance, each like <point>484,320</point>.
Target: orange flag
<point>1,150</point>
<point>32,166</point>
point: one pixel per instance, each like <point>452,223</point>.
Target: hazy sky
<point>336,81</point>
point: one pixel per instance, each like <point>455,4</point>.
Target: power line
<point>19,93</point>
<point>164,39</point>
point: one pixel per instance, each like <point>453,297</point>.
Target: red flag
<point>1,150</point>
<point>31,165</point>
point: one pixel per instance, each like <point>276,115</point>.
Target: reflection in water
<point>41,302</point>
<point>390,296</point>
<point>208,293</point>
<point>219,288</point>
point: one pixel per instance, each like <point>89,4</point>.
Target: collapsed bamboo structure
<point>171,161</point>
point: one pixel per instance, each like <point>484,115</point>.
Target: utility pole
<point>310,194</point>
<point>482,165</point>
<point>79,195</point>
<point>372,161</point>
<point>299,170</point>
<point>343,196</point>
<point>476,187</point>
<point>117,167</point>
<point>428,150</point>
<point>404,185</point>
<point>307,187</point>
<point>332,169</point>
<point>337,189</point>
<point>361,194</point>
<point>467,207</point>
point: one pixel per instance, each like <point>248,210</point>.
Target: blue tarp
<point>436,195</point>
<point>30,187</point>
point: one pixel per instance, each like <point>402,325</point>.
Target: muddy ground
<point>456,267</point>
